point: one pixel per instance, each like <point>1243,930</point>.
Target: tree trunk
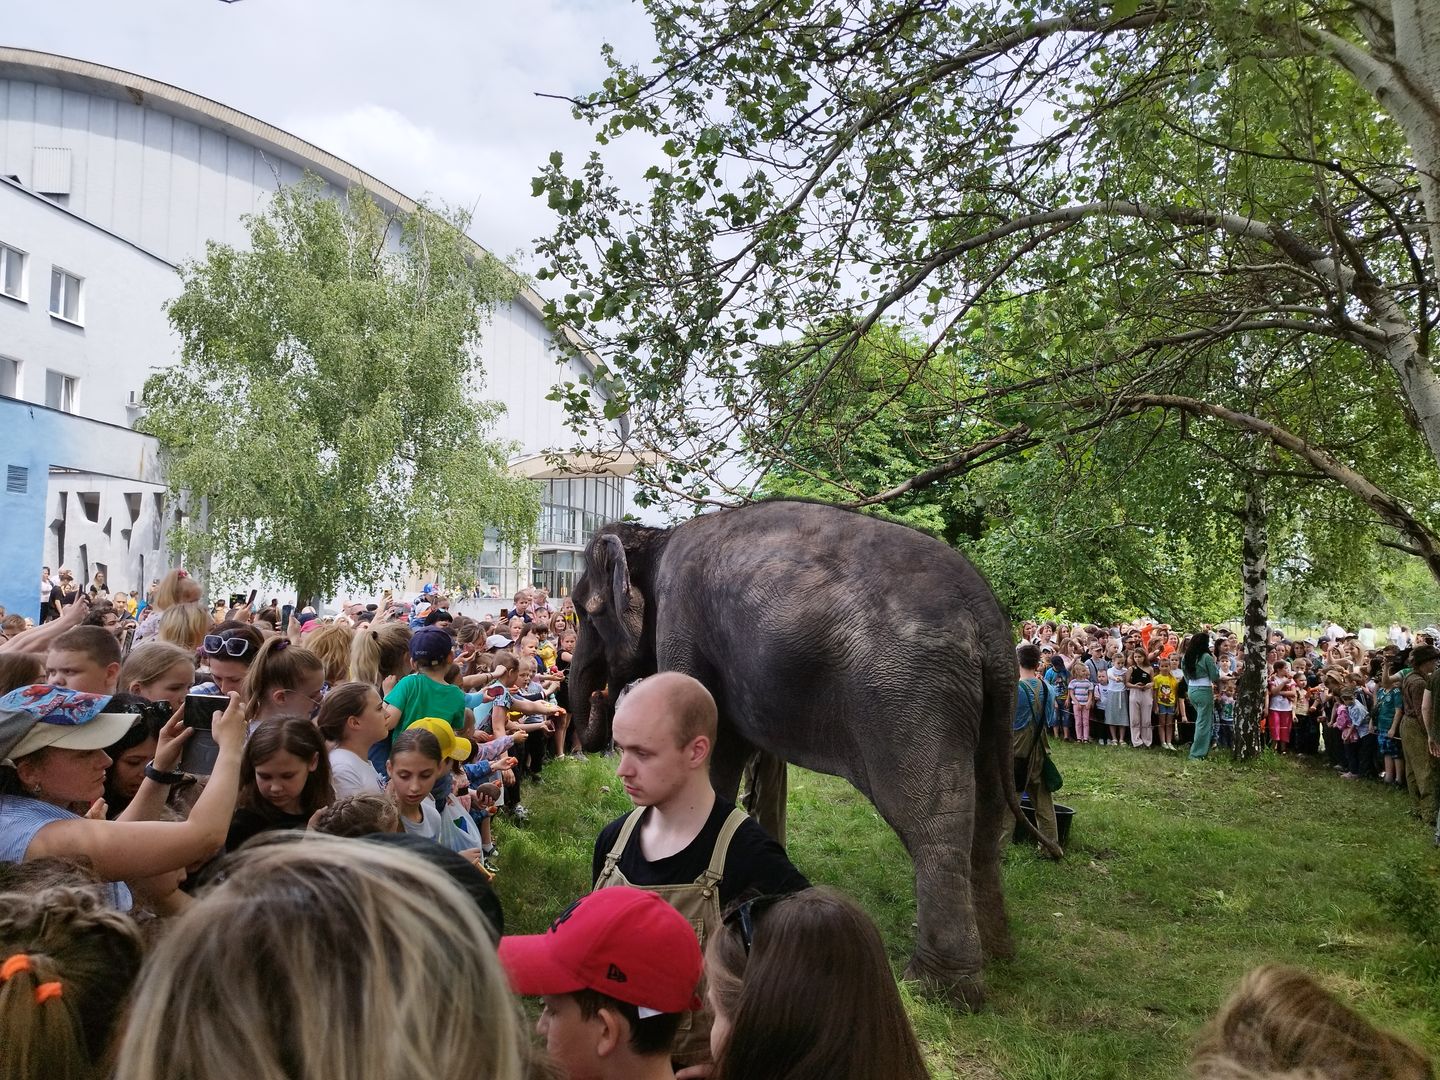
<point>1251,698</point>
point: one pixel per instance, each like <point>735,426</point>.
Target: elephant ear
<point>622,611</point>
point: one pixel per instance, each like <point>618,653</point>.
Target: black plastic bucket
<point>1064,816</point>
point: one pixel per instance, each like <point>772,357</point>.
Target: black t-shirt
<point>755,864</point>
<point>247,823</point>
<point>1140,676</point>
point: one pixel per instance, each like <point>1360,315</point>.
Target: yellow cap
<point>451,745</point>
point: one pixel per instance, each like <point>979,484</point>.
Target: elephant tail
<point>1000,691</point>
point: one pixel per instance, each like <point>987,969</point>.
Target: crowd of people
<point>238,841</point>
<point>1366,705</point>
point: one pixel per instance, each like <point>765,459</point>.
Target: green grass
<point>1179,877</point>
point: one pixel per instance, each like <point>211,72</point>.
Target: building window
<point>65,295</point>
<point>60,391</point>
<point>12,272</point>
<point>9,377</point>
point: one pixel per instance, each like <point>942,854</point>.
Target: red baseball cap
<point>625,943</point>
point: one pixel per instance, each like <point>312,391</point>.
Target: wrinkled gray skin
<point>811,626</point>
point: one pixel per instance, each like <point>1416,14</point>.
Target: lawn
<point>1180,877</point>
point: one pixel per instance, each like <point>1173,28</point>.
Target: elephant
<point>808,624</point>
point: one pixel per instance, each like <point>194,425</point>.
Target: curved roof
<point>68,73</point>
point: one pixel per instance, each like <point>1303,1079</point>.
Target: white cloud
<point>434,97</point>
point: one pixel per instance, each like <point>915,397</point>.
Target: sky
<point>435,97</point>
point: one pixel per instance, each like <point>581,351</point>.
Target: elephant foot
<point>966,992</point>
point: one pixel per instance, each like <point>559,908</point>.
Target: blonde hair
<point>319,956</point>
<point>184,625</point>
<point>175,588</point>
<point>59,1009</point>
<point>331,643</point>
<point>150,660</point>
<point>378,654</point>
<point>1280,1021</point>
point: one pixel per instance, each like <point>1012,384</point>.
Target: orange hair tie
<point>45,991</point>
<point>14,965</point>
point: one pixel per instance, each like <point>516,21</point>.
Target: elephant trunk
<point>591,708</point>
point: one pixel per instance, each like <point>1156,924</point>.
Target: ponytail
<point>344,701</point>
<point>69,962</point>
<point>278,666</point>
<point>375,655</point>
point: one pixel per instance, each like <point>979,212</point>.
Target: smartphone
<point>201,750</point>
<point>127,641</point>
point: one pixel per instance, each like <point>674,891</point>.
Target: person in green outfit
<point>1030,741</point>
<point>1202,675</point>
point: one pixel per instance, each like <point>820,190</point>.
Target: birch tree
<point>327,402</point>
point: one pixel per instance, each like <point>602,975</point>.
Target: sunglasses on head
<point>231,645</point>
<point>745,915</point>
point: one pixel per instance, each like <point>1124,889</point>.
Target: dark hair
<point>417,741</point>
<point>19,669</point>
<point>344,701</point>
<point>147,726</point>
<point>460,870</point>
<point>1198,647</point>
<point>437,616</point>
<point>232,628</point>
<point>291,735</point>
<point>1028,656</point>
<point>651,1036</point>
<point>99,645</point>
<point>812,998</point>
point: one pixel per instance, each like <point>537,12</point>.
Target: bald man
<point>696,850</point>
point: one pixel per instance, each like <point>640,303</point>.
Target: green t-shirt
<point>418,696</point>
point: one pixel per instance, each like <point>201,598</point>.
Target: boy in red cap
<point>618,972</point>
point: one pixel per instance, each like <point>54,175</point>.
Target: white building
<point>110,181</point>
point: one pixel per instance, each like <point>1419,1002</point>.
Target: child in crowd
<point>1139,681</point>
<point>175,588</point>
<point>68,961</point>
<point>1225,713</point>
<point>1282,705</point>
<point>353,719</point>
<point>425,692</point>
<point>158,671</point>
<point>1082,691</point>
<point>1387,727</point>
<point>381,657</point>
<point>1360,742</point>
<point>284,779</point>
<point>85,658</point>
<point>359,815</point>
<point>284,680</point>
<point>1117,704</point>
<point>415,765</point>
<point>1061,720</point>
<point>1166,683</point>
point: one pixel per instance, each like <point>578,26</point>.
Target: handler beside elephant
<point>758,603</point>
<point>698,852</point>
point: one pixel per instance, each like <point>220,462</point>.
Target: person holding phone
<point>53,741</point>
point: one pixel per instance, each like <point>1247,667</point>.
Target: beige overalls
<point>698,901</point>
